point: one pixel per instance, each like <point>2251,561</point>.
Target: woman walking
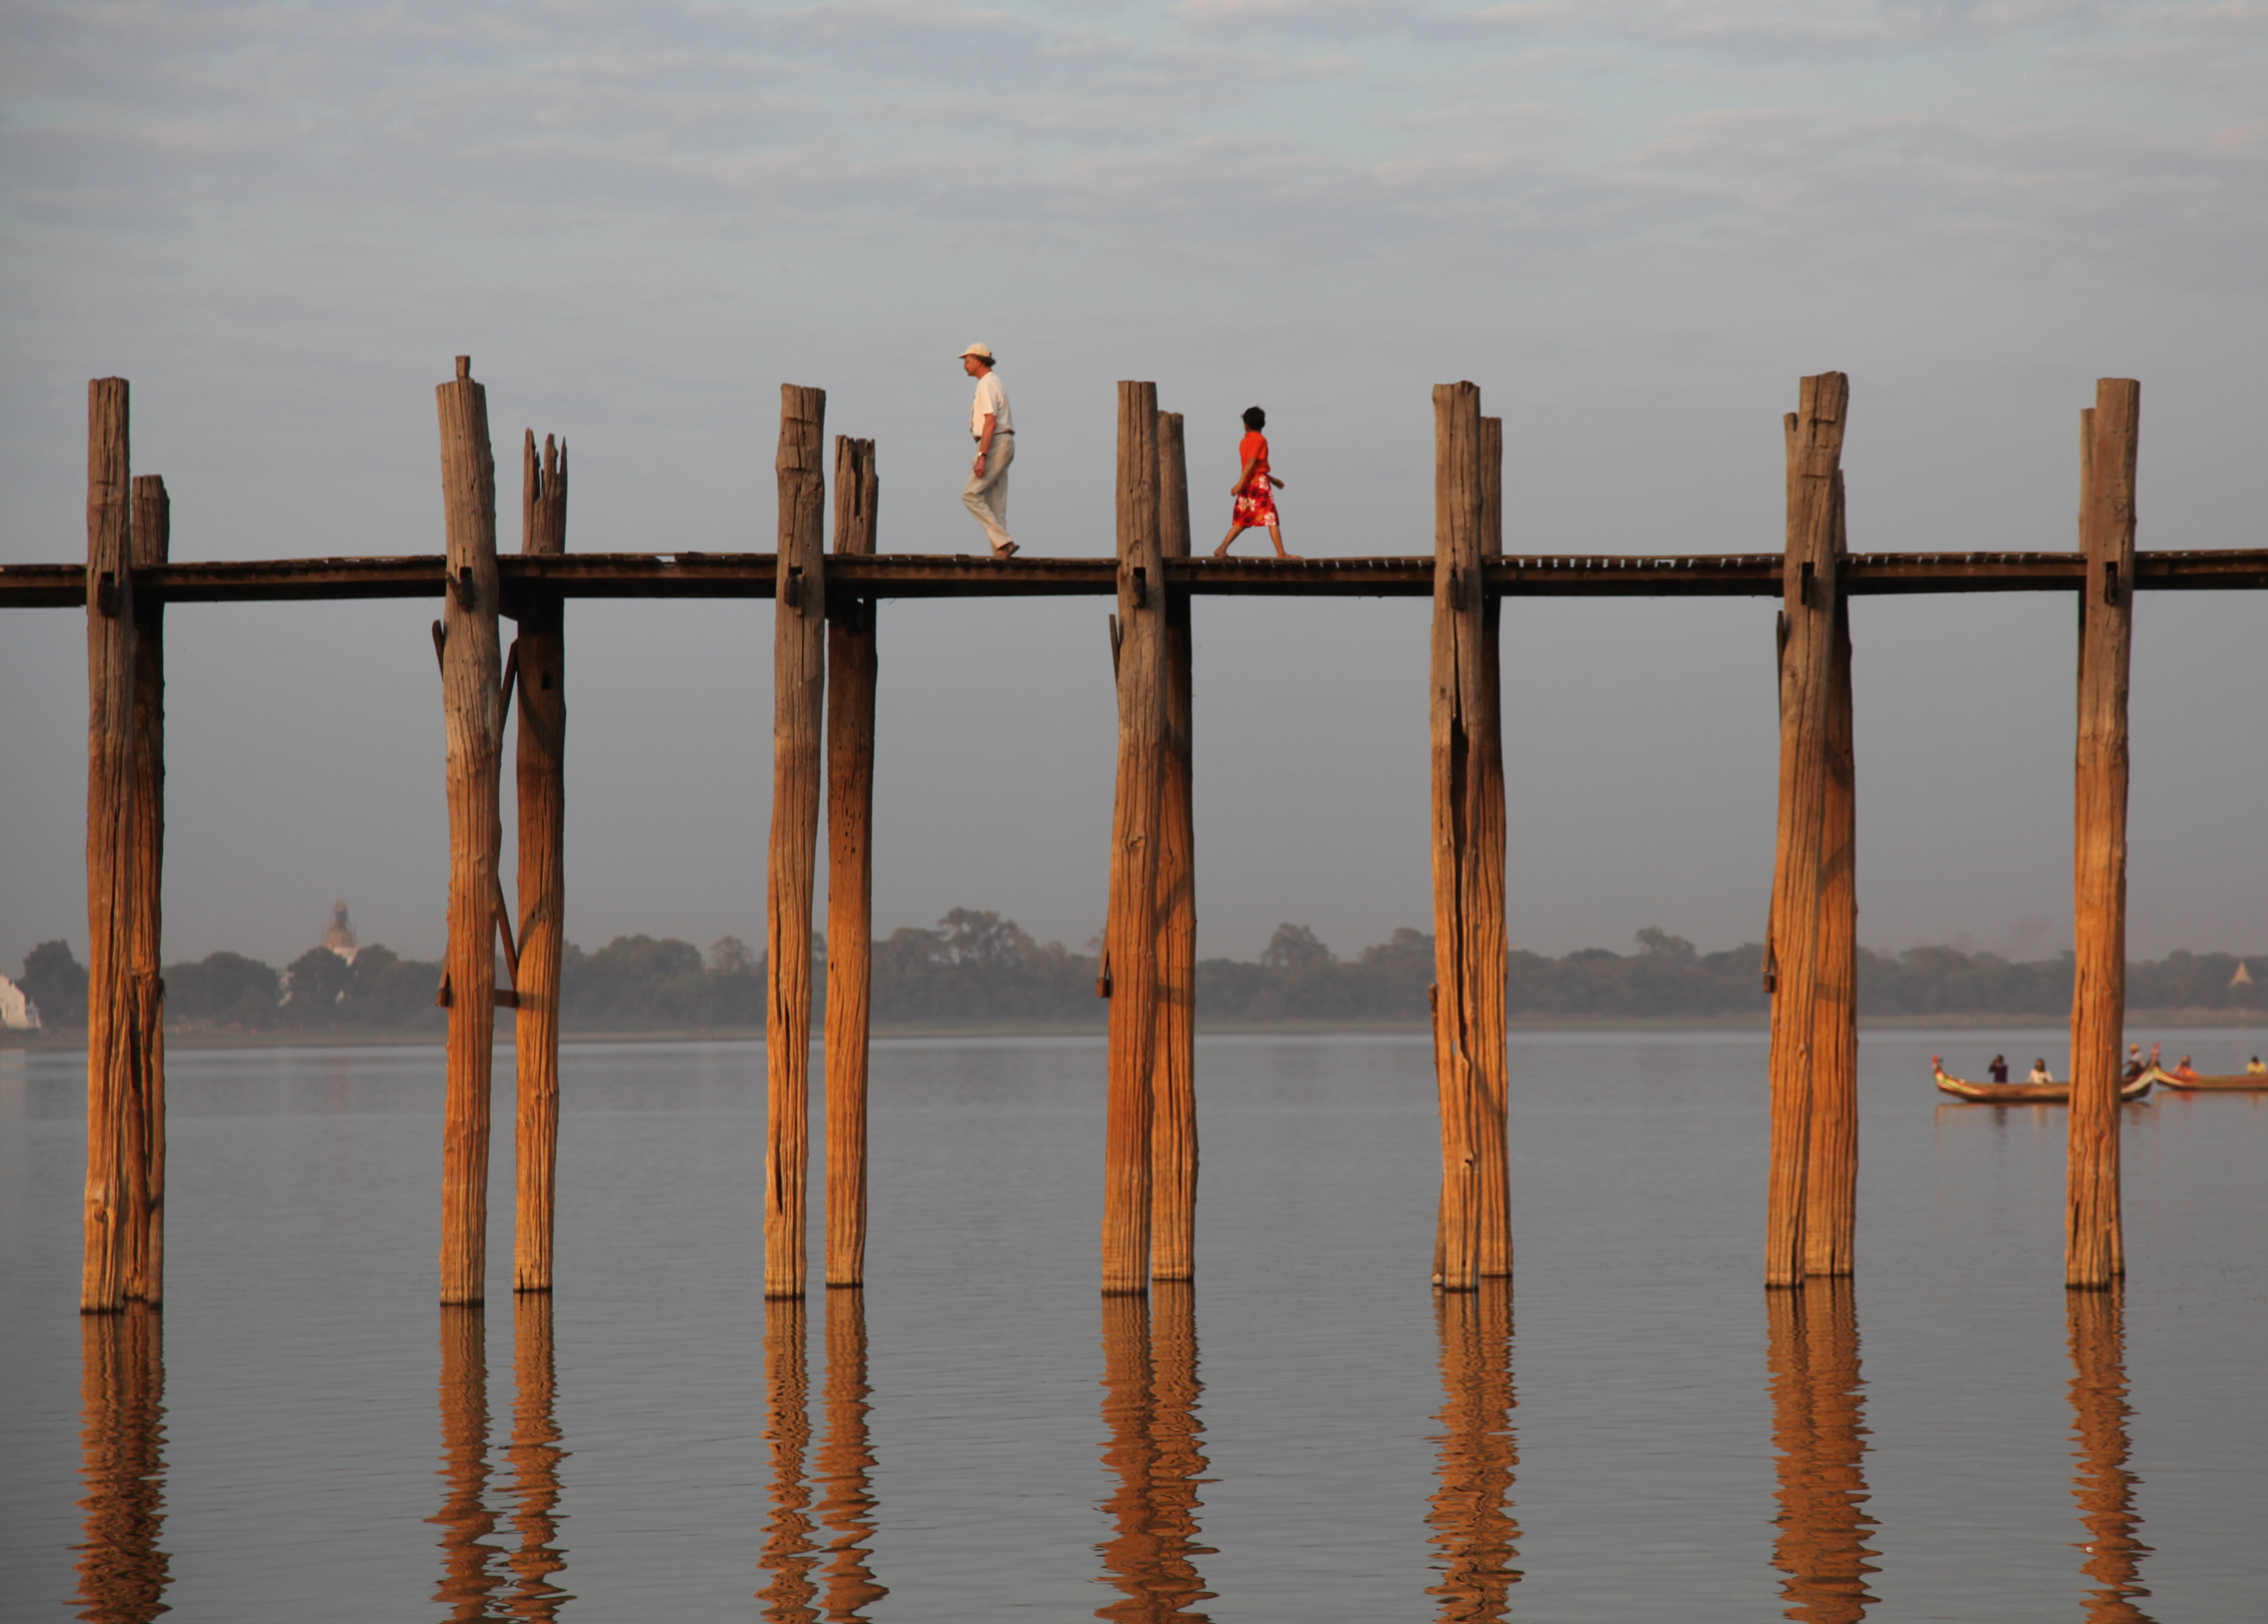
<point>1255,500</point>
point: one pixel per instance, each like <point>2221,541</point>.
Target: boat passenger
<point>2256,1069</point>
<point>2040,1073</point>
<point>2135,1064</point>
<point>1998,1068</point>
<point>2186,1072</point>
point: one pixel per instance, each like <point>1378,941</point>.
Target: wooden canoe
<point>2023,1093</point>
<point>2236,1081</point>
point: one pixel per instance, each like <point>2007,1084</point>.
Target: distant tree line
<point>977,967</point>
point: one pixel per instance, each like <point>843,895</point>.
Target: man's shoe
<point>1003,554</point>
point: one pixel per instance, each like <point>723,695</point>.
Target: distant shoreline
<point>2137,1023</point>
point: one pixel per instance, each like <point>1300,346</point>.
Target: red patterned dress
<point>1255,503</point>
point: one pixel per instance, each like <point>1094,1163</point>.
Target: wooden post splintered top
<point>464,368</point>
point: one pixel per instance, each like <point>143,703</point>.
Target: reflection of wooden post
<point>535,1456</point>
<point>1130,1558</point>
<point>845,1462</point>
<point>2093,1244</point>
<point>145,1104</point>
<point>851,676</point>
<point>472,706</point>
<point>469,1577</point>
<point>799,688</point>
<point>1173,1131</point>
<point>1474,1528</point>
<point>543,796</point>
<point>1468,850</point>
<point>110,830</point>
<point>122,1568</point>
<point>1819,1430</point>
<point>1814,447</point>
<point>1179,1464</point>
<point>1132,932</point>
<point>2104,1488</point>
<point>1831,1196</point>
<point>790,1553</point>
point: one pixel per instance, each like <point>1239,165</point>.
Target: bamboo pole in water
<point>1468,857</point>
<point>1131,935</point>
<point>851,669</point>
<point>1484,870</point>
<point>541,662</point>
<point>1174,1129</point>
<point>2094,1242</point>
<point>145,1099</point>
<point>111,1025</point>
<point>1815,446</point>
<point>1831,1196</point>
<point>472,704</point>
<point>799,688</point>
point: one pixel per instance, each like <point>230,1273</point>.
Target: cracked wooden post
<point>111,1025</point>
<point>799,690</point>
<point>1485,917</point>
<point>539,659</point>
<point>1173,1127</point>
<point>1831,1179</point>
<point>472,704</point>
<point>145,1100</point>
<point>851,668</point>
<point>1468,860</point>
<point>1815,448</point>
<point>2094,1244</point>
<point>1131,935</point>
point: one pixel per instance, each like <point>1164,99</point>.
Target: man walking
<point>986,494</point>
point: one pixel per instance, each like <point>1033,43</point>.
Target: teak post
<point>1484,731</point>
<point>1807,667</point>
<point>541,662</point>
<point>1468,858</point>
<point>852,667</point>
<point>1831,1192</point>
<point>111,1025</point>
<point>471,705</point>
<point>799,690</point>
<point>1131,935</point>
<point>2093,1244</point>
<point>1174,1129</point>
<point>145,1102</point>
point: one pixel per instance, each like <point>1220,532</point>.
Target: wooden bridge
<point>824,684</point>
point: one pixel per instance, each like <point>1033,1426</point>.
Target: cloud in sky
<point>1635,221</point>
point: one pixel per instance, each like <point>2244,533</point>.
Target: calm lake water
<point>1636,1429</point>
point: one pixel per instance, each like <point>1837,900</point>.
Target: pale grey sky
<point>1634,223</point>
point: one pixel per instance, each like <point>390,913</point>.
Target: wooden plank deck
<point>749,575</point>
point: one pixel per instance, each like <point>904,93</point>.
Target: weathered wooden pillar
<point>111,1027</point>
<point>1814,447</point>
<point>1174,1128</point>
<point>1831,1192</point>
<point>1484,731</point>
<point>146,1101</point>
<point>540,663</point>
<point>852,667</point>
<point>471,705</point>
<point>1468,852</point>
<point>799,690</point>
<point>1131,935</point>
<point>2093,1243</point>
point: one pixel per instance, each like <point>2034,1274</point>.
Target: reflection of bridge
<point>824,678</point>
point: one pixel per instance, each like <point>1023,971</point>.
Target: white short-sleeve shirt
<point>992,399</point>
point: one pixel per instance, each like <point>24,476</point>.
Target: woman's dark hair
<point>1255,419</point>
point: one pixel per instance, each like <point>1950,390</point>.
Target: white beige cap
<point>983,352</point>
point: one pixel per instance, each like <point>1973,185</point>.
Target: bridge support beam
<point>1131,935</point>
<point>1174,1129</point>
<point>1474,1235</point>
<point>851,676</point>
<point>799,690</point>
<point>2094,1242</point>
<point>538,656</point>
<point>144,1103</point>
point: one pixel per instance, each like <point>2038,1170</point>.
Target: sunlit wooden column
<point>1832,1171</point>
<point>1174,1130</point>
<point>851,670</point>
<point>144,1166</point>
<point>1485,877</point>
<point>111,1150</point>
<point>2093,1243</point>
<point>798,690</point>
<point>1131,934</point>
<point>471,705</point>
<point>1807,663</point>
<point>541,661</point>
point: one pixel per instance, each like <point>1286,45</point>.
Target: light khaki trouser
<point>986,495</point>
